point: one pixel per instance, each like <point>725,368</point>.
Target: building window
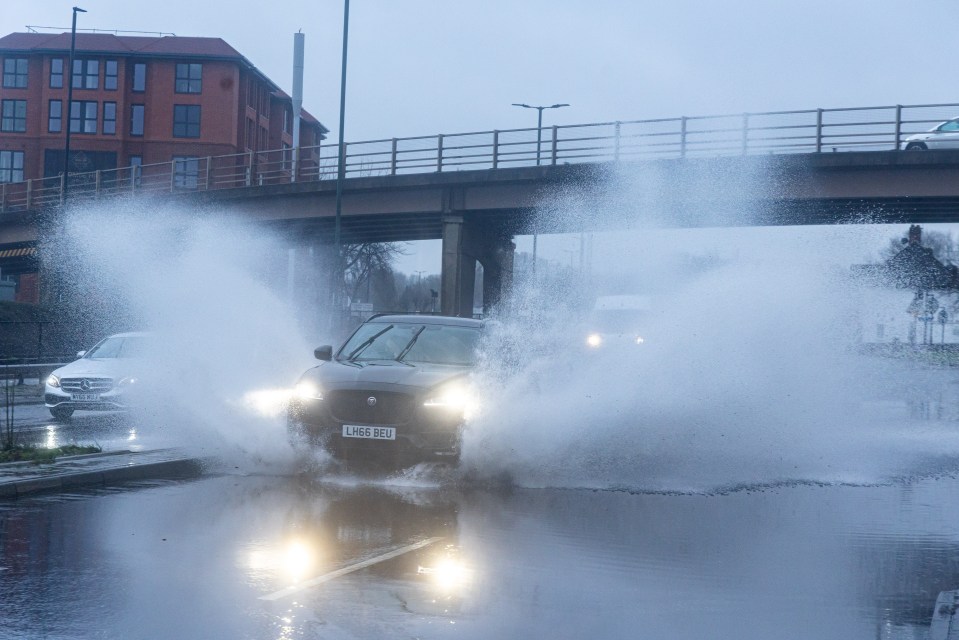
<point>14,114</point>
<point>11,166</point>
<point>287,121</point>
<point>186,121</point>
<point>15,73</point>
<point>136,119</point>
<point>110,75</point>
<point>109,118</point>
<point>189,78</point>
<point>55,119</point>
<point>56,73</point>
<point>186,170</point>
<point>86,74</point>
<point>140,76</point>
<point>83,117</point>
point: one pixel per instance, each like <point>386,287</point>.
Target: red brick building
<point>136,100</point>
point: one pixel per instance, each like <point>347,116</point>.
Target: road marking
<point>326,577</point>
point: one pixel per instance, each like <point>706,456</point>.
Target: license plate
<point>369,433</point>
<point>85,397</point>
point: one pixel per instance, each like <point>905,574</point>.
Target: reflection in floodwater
<point>368,558</point>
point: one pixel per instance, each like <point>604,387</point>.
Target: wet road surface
<point>280,555</point>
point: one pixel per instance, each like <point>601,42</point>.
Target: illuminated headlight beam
<point>267,402</point>
<point>453,397</point>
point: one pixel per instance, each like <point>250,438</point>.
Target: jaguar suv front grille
<point>371,407</point>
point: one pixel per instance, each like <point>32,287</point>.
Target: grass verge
<point>24,453</point>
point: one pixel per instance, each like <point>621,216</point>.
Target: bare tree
<point>367,267</point>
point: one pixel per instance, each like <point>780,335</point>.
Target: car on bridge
<point>942,136</point>
<point>398,390</point>
<point>101,379</point>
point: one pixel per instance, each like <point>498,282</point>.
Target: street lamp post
<point>340,173</point>
<point>539,122</point>
<point>69,74</point>
<point>539,141</point>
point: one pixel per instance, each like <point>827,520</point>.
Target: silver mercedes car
<point>101,379</point>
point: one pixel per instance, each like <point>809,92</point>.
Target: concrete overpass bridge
<point>475,191</point>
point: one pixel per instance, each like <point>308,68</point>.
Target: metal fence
<point>779,132</point>
<point>28,342</point>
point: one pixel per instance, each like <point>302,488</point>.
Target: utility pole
<point>69,116</point>
<point>539,141</point>
<point>340,176</point>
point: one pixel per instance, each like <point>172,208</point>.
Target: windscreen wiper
<point>409,345</point>
<point>367,343</point>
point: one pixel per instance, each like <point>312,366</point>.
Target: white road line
<point>326,577</point>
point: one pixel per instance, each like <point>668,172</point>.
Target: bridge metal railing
<point>778,132</point>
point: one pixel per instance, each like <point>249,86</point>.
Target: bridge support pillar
<point>496,256</point>
<point>465,244</point>
<point>458,270</point>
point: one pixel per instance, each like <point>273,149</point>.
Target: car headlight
<point>126,382</point>
<point>53,381</point>
<point>455,397</point>
<point>640,340</point>
<point>594,340</point>
<point>308,390</point>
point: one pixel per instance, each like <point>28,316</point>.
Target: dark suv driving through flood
<point>397,389</point>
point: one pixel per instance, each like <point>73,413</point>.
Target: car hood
<point>98,367</point>
<point>335,374</point>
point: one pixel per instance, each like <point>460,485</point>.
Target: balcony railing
<point>777,132</point>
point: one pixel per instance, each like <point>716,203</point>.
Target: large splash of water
<point>211,289</point>
<point>748,375</point>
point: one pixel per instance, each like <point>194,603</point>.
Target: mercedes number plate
<point>85,397</point>
<point>369,433</point>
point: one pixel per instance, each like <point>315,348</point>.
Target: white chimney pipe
<point>298,42</point>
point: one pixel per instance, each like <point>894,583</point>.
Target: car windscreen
<point>119,347</point>
<point>617,320</point>
<point>412,343</point>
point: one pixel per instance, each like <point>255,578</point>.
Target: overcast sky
<point>419,67</point>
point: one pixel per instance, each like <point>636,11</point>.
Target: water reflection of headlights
<point>448,574</point>
<point>453,397</point>
<point>594,340</point>
<point>295,561</point>
<point>298,560</point>
<point>51,440</point>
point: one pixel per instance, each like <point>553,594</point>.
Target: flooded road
<point>282,556</point>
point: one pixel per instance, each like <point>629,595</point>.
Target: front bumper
<point>422,434</point>
<point>112,400</point>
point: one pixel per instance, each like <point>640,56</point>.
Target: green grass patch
<point>24,453</point>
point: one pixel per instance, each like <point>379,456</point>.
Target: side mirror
<point>323,353</point>
<point>80,354</point>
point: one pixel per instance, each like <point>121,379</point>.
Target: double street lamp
<point>539,122</point>
<point>69,118</point>
<point>539,141</point>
